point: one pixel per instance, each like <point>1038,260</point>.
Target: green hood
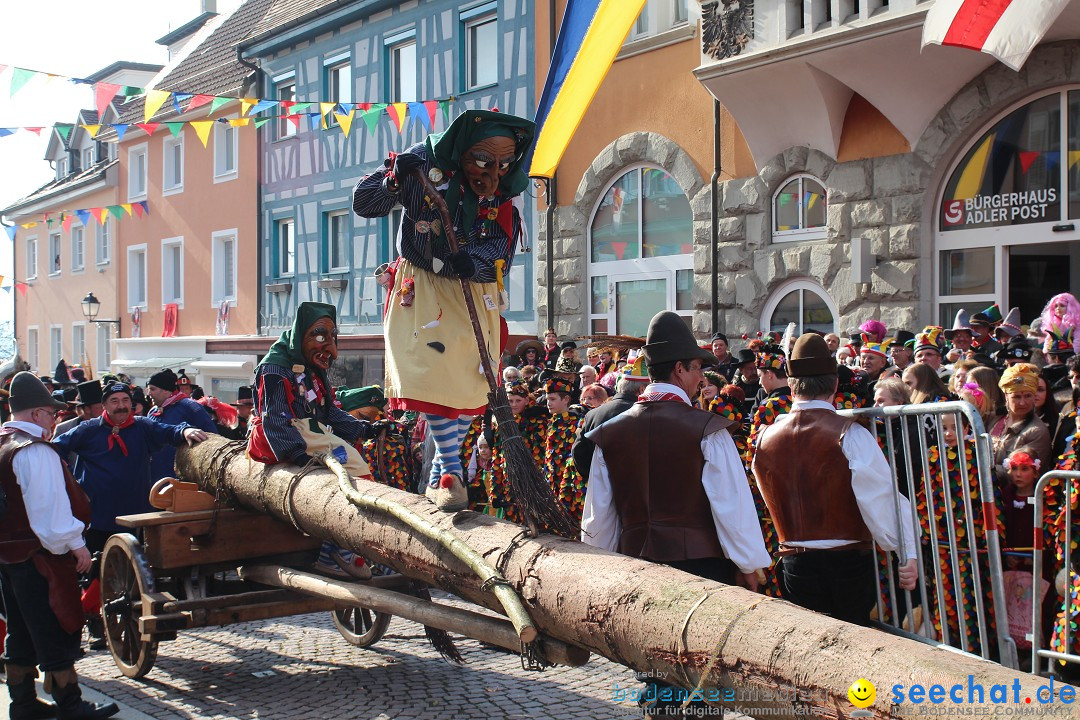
<point>287,352</point>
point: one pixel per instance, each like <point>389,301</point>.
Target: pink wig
<point>226,415</point>
<point>875,328</point>
<point>1051,322</point>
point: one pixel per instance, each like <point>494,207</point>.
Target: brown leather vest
<point>805,479</point>
<point>17,540</point>
<point>654,459</point>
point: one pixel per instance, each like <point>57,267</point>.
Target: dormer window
<point>61,168</point>
<point>87,157</point>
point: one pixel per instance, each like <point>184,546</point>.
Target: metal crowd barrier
<point>1068,478</point>
<point>918,428</point>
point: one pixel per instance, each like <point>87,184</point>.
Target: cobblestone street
<point>300,667</point>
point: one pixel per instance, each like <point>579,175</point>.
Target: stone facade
<point>889,200</point>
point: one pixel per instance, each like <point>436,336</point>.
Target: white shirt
<point>724,479</point>
<point>872,483</point>
<point>41,479</point>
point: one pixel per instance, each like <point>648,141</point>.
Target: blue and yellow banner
<point>590,37</point>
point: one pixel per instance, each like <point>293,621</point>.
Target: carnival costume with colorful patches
<point>389,453</point>
<point>428,330</point>
<point>1054,535</point>
<point>566,482</point>
<point>1061,315</point>
<point>532,423</point>
<point>950,510</point>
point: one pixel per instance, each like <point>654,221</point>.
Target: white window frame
<point>56,259</point>
<point>87,157</point>
<point>328,224</point>
<point>103,241</point>
<point>78,248</point>
<point>131,252</point>
<point>61,168</point>
<point>33,349</point>
<point>135,192</point>
<point>784,289</point>
<point>659,16</point>
<point>330,66</point>
<point>104,347</point>
<point>280,248</point>
<point>393,47</point>
<point>168,245</point>
<point>803,234</point>
<point>284,128</point>
<point>56,354</point>
<point>169,145</point>
<point>218,239</point>
<point>76,356</point>
<point>221,152</point>
<point>487,14</point>
<point>32,258</point>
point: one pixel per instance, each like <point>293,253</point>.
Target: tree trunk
<point>686,630</point>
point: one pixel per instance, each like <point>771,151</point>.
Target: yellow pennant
<point>400,110</point>
<point>246,104</point>
<point>239,122</point>
<point>202,129</point>
<point>154,100</point>
<point>127,208</point>
<point>345,121</point>
<point>92,130</point>
<point>29,224</point>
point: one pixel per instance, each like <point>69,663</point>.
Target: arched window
<point>800,210</point>
<point>801,302</point>
<point>641,244</point>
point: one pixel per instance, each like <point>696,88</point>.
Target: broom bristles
<point>529,489</point>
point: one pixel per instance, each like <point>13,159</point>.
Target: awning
<point>157,362</point>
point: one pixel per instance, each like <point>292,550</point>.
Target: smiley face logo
<point>862,693</point>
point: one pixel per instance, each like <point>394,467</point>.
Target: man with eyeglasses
<point>41,549</point>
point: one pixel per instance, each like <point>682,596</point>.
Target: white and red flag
<point>1007,29</point>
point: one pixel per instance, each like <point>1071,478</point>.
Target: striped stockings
<point>448,434</point>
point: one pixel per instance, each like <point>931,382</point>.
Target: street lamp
<point>90,307</point>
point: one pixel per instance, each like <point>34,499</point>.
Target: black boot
<point>25,704</point>
<point>63,685</point>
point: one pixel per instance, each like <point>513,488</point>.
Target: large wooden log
<point>690,631</point>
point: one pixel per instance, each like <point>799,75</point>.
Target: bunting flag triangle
<point>239,122</point>
<point>363,107</point>
<point>130,91</point>
<point>371,119</point>
<point>299,108</point>
<point>116,211</point>
<point>198,101</point>
<point>103,95</point>
<point>202,129</point>
<point>120,130</point>
<point>137,207</point>
<point>397,112</point>
<point>21,287</point>
<point>35,130</point>
<point>325,107</point>
<point>127,208</point>
<point>179,98</point>
<point>148,128</point>
<point>314,119</point>
<point>417,111</point>
<point>7,288</point>
<point>3,68</point>
<point>259,122</point>
<point>294,120</point>
<point>10,232</point>
<point>28,225</point>
<point>84,216</point>
<point>4,132</point>
<point>263,105</point>
<point>19,78</point>
<point>217,102</point>
<point>66,224</point>
<point>175,128</point>
<point>444,105</point>
<point>92,130</point>
<point>1,279</point>
<point>345,121</point>
<point>1027,159</point>
<point>99,214</point>
<point>145,208</point>
<point>154,100</point>
<point>1074,157</point>
<point>64,130</point>
<point>246,104</point>
<point>432,107</point>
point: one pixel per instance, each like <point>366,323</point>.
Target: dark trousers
<point>838,583</point>
<point>34,635</point>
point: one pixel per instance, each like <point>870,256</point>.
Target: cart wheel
<point>194,583</point>
<point>359,626</point>
<point>125,579</point>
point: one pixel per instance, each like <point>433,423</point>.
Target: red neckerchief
<point>176,397</point>
<point>114,437</point>
<point>651,397</point>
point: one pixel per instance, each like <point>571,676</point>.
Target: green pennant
<point>131,91</point>
<point>444,105</point>
<point>371,118</point>
<point>218,102</point>
<point>259,122</point>
<point>64,130</point>
<point>300,107</point>
<point>175,128</point>
<point>117,211</point>
<point>20,77</point>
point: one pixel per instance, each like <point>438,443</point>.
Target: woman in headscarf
<point>432,360</point>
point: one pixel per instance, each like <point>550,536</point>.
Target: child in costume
<point>388,453</point>
<point>532,422</point>
<point>478,165</point>
<point>562,427</point>
<point>1061,316</point>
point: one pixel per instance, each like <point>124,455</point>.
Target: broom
<point>528,486</point>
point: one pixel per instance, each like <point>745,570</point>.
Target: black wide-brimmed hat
<point>244,396</point>
<point>810,356</point>
<point>669,339</point>
<point>28,392</point>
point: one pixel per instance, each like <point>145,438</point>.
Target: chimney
<point>209,6</point>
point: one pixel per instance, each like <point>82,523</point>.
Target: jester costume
<point>1054,524</point>
<point>532,424</point>
<point>946,504</point>
<point>559,468</point>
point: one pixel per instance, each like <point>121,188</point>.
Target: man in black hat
<point>697,514</point>
<point>725,362</point>
<point>568,352</point>
<point>982,326</point>
<point>830,492</point>
<point>245,404</point>
<point>41,549</point>
<point>746,377</point>
<point>172,407</point>
<point>87,405</point>
<point>902,350</point>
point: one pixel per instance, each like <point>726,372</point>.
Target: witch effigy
<point>477,167</point>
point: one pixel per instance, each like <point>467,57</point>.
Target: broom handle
<point>448,223</point>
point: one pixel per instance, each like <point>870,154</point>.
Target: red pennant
<point>103,95</point>
<point>432,107</point>
<point>138,208</point>
<point>294,119</point>
<point>1027,158</point>
<point>35,130</point>
<point>199,101</point>
<point>21,287</point>
<point>363,107</point>
<point>287,105</point>
<point>66,224</point>
<point>619,248</point>
<point>148,128</point>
